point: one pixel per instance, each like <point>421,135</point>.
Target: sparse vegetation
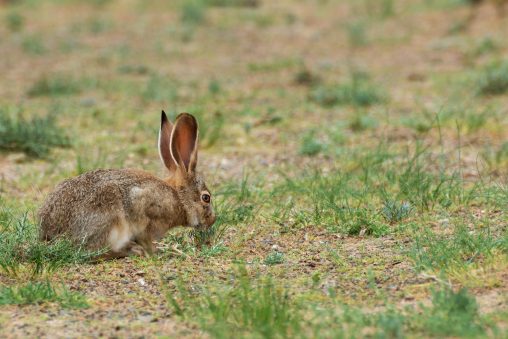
<point>22,251</point>
<point>41,292</point>
<point>246,308</point>
<point>160,88</point>
<point>493,80</point>
<point>193,12</point>
<point>356,153</point>
<point>35,136</point>
<point>358,91</point>
<point>310,146</point>
<point>14,21</point>
<point>463,247</point>
<point>395,211</point>
<point>362,122</point>
<point>357,34</point>
<point>254,306</point>
<point>274,258</point>
<point>33,45</point>
<point>55,85</point>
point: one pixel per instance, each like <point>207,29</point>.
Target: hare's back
<point>87,204</point>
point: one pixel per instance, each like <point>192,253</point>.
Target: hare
<point>125,210</point>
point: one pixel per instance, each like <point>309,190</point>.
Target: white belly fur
<point>119,236</point>
<point>124,232</point>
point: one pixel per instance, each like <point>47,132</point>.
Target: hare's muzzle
<point>210,220</point>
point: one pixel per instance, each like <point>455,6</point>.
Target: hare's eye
<point>205,197</point>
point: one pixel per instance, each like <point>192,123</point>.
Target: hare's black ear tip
<point>164,117</point>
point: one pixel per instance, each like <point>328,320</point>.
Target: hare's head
<point>178,148</point>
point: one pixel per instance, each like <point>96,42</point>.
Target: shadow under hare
<point>125,210</point>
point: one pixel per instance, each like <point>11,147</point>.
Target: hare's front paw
<point>138,250</point>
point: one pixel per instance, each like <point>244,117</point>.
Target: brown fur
<point>131,206</point>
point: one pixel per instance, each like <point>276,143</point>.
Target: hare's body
<point>125,210</point>
<point>111,208</point>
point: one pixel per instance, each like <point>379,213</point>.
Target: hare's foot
<point>131,249</point>
<point>137,249</point>
<point>146,242</point>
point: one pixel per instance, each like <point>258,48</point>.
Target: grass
<point>160,88</point>
<point>379,187</point>
<point>14,21</point>
<point>193,12</point>
<point>33,45</point>
<point>245,309</point>
<point>362,122</point>
<point>357,34</point>
<point>35,136</point>
<point>493,79</point>
<point>256,307</point>
<point>358,91</point>
<point>452,314</point>
<point>440,252</point>
<point>310,146</point>
<point>382,9</point>
<point>395,211</point>
<point>39,293</point>
<point>496,157</point>
<point>306,77</point>
<point>22,251</point>
<point>55,85</point>
<point>274,258</point>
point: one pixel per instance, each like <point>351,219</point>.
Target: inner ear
<point>184,141</point>
<point>165,132</point>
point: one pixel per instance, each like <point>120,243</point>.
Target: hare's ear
<point>164,143</point>
<point>184,142</point>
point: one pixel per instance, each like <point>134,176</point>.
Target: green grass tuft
<point>358,91</point>
<point>493,79</point>
<point>161,89</point>
<point>452,314</point>
<point>357,33</point>
<point>306,77</point>
<point>258,308</point>
<point>362,122</point>
<point>41,292</point>
<point>463,247</point>
<point>33,45</point>
<point>21,249</point>
<point>35,136</point>
<point>57,85</point>
<point>310,145</point>
<point>193,12</point>
<point>274,258</point>
<point>253,308</point>
<point>14,21</point>
<point>395,211</point>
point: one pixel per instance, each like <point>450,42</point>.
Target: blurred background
<point>272,83</point>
